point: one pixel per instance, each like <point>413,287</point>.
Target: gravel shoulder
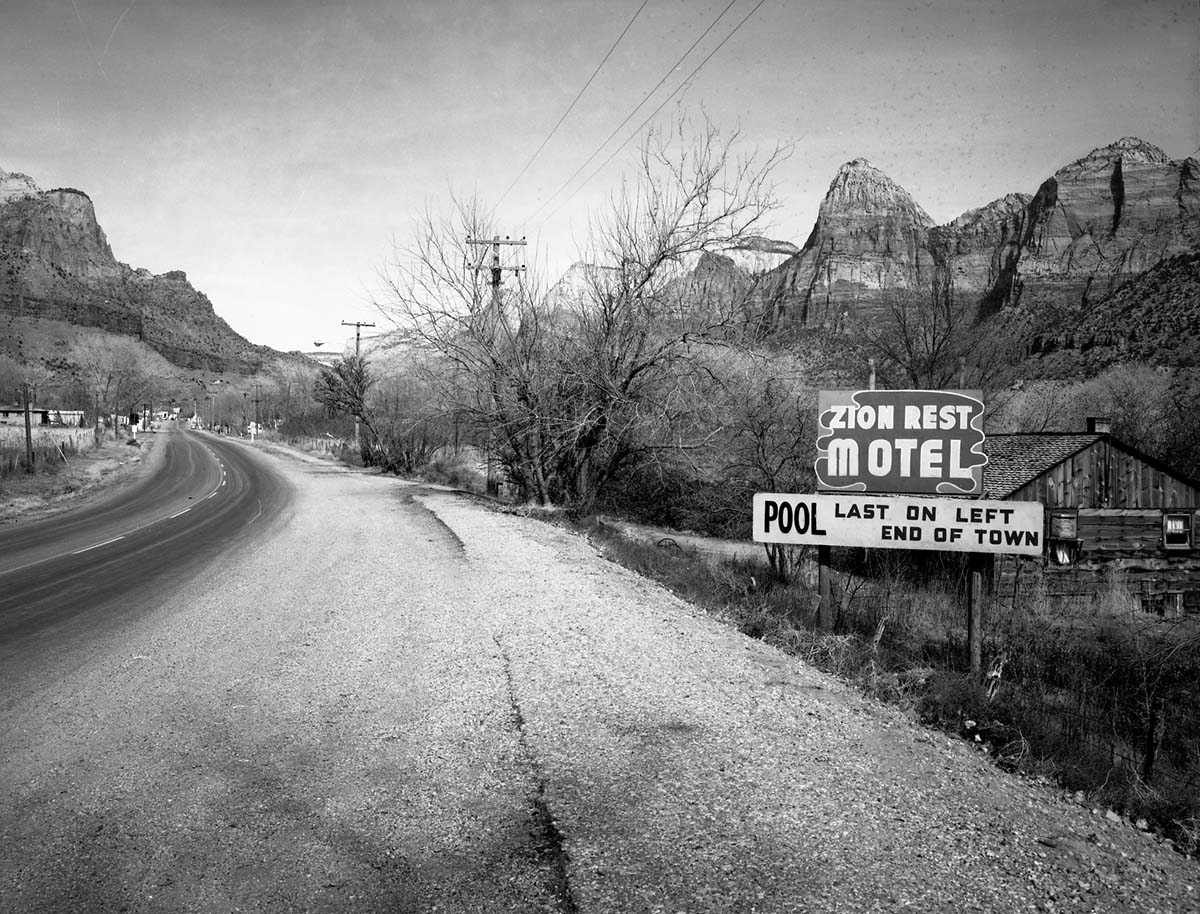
<point>402,701</point>
<point>691,768</point>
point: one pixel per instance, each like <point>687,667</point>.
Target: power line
<point>571,106</point>
<point>635,110</point>
<point>654,113</point>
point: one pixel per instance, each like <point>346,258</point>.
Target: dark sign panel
<point>910,442</point>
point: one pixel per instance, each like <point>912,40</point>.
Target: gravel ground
<point>401,701</point>
<point>689,768</point>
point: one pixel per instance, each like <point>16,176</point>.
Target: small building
<point>1114,517</point>
<point>41,415</point>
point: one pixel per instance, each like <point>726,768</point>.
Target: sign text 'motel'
<point>897,522</point>
<point>917,442</point>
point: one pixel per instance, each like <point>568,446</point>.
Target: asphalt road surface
<point>69,576</point>
<point>337,692</point>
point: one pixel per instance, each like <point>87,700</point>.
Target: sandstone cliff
<point>870,239</point>
<point>1104,218</point>
<point>56,263</point>
<point>976,255</point>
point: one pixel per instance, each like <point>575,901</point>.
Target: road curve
<point>103,564</point>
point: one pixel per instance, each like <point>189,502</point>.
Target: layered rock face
<point>976,255</point>
<point>1107,217</point>
<point>1096,223</point>
<point>56,263</point>
<point>870,239</point>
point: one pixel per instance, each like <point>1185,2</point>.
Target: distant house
<point>41,415</point>
<point>1113,514</point>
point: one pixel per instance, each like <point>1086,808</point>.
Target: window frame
<point>1189,519</point>
<point>1063,551</point>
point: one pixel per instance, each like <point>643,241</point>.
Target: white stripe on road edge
<point>98,545</point>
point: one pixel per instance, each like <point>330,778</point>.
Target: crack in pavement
<point>548,843</point>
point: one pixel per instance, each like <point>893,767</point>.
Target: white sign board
<point>900,522</point>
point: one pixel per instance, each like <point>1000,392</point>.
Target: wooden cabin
<point>1114,517</point>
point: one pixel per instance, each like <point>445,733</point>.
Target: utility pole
<point>357,325</point>
<point>496,268</point>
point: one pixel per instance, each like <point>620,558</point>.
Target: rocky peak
<point>860,189</point>
<point>14,186</point>
<point>977,221</point>
<point>58,226</point>
<point>1098,221</point>
<point>869,241</point>
<point>1129,150</point>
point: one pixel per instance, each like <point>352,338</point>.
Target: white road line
<point>138,529</point>
<point>98,545</point>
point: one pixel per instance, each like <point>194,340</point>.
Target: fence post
<point>975,617</point>
<point>28,430</point>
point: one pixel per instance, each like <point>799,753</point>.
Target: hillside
<point>1153,318</point>
<point>56,265</point>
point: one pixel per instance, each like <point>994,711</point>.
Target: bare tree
<point>932,340</point>
<point>112,371</point>
<point>771,444</point>
<point>576,388</point>
<point>481,343</point>
<point>632,361</point>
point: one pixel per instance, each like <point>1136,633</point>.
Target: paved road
<point>393,700</point>
<point>68,577</point>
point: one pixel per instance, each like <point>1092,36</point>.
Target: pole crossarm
<point>357,325</point>
<point>497,267</point>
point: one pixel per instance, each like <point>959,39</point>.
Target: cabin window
<point>1177,531</point>
<point>1063,541</point>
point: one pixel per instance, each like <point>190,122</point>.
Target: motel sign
<point>889,463</point>
<point>916,442</point>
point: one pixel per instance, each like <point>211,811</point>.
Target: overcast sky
<point>274,149</point>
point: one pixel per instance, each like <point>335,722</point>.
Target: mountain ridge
<point>1090,227</point>
<point>56,263</point>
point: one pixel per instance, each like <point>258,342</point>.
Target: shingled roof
<point>1017,460</point>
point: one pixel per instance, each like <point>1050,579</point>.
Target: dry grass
<point>53,448</point>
